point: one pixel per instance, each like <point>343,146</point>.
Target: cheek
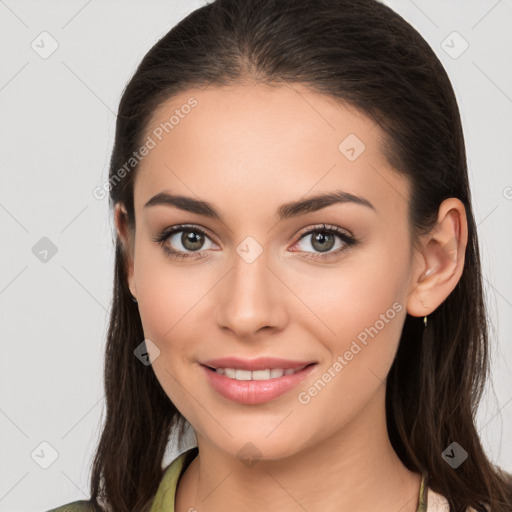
<point>171,300</point>
<point>352,295</point>
<point>157,291</point>
<point>359,310</point>
<point>170,306</point>
<point>168,302</point>
<point>364,311</point>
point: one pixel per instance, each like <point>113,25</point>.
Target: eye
<point>323,239</point>
<point>189,237</point>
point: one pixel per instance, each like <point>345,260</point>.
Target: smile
<point>255,387</point>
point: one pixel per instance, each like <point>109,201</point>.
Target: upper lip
<point>261,363</point>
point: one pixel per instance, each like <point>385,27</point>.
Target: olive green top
<point>166,493</point>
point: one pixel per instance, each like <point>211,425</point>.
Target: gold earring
<point>425,321</point>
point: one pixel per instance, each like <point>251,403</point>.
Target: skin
<point>247,149</point>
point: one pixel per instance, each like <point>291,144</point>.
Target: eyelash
<point>348,240</point>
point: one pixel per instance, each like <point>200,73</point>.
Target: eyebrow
<point>285,211</point>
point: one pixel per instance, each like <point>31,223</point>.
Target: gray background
<point>57,128</point>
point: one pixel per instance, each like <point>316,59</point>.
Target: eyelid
<point>170,230</point>
<point>326,227</point>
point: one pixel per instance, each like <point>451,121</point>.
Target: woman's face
<point>250,287</point>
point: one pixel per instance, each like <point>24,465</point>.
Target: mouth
<point>257,386</point>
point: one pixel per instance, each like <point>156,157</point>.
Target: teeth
<point>273,373</point>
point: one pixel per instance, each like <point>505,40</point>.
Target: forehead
<point>275,142</point>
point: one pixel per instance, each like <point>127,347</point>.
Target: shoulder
<point>75,506</point>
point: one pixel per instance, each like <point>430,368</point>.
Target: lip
<point>261,363</point>
<point>251,392</point>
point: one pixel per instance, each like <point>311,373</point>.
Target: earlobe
<point>123,232</point>
<point>441,262</point>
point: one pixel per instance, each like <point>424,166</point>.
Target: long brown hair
<point>365,55</point>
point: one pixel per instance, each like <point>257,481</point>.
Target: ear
<point>440,261</point>
<point>126,237</point>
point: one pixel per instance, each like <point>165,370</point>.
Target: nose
<point>251,298</point>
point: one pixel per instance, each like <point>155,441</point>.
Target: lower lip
<point>255,391</point>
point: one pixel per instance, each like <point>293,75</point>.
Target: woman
<point>297,272</point>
